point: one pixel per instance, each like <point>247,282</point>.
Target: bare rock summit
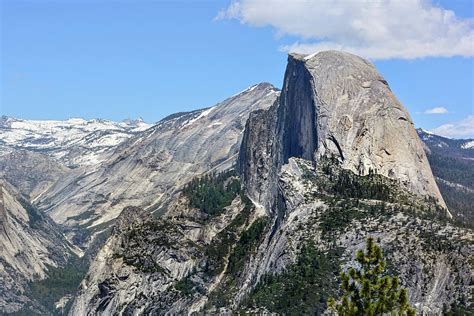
<point>336,104</point>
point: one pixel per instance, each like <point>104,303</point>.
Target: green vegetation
<point>372,187</point>
<point>302,289</point>
<point>342,213</point>
<point>139,241</point>
<point>460,202</point>
<point>351,196</point>
<point>457,170</point>
<point>241,252</point>
<point>335,180</point>
<point>367,290</point>
<point>212,193</point>
<point>224,240</point>
<point>246,245</point>
<point>464,306</point>
<point>34,216</point>
<point>187,286</point>
<point>453,169</point>
<point>60,282</point>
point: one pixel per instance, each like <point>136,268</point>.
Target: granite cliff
<point>336,104</point>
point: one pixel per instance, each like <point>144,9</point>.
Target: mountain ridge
<point>178,147</point>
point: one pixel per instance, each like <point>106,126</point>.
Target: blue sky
<point>143,58</point>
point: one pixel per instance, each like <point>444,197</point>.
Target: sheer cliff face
<point>297,114</point>
<point>337,104</point>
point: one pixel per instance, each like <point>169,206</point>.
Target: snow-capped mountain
<point>468,145</point>
<point>452,162</point>
<point>74,142</point>
<point>462,148</point>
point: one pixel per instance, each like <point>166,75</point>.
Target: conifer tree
<point>368,290</point>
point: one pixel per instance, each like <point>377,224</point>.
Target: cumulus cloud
<point>460,129</point>
<point>381,29</point>
<point>437,110</point>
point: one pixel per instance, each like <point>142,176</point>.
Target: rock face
<point>31,172</point>
<point>146,170</point>
<point>258,162</point>
<point>336,104</point>
<point>29,244</point>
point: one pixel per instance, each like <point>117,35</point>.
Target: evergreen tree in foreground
<point>367,290</point>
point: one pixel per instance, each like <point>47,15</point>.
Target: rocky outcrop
<point>30,243</point>
<point>152,266</point>
<point>431,256</point>
<point>188,261</point>
<point>258,163</point>
<point>337,104</point>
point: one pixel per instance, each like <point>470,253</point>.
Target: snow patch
<point>427,132</point>
<point>206,112</point>
<point>59,138</point>
<point>259,208</point>
<point>200,116</point>
<point>215,124</point>
<point>468,145</point>
<point>249,89</point>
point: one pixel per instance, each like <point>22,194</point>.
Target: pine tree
<point>367,290</point>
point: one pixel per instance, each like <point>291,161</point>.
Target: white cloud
<point>460,129</point>
<point>380,29</point>
<point>437,110</point>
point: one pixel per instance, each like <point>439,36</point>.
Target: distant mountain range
<point>74,142</point>
<point>460,148</point>
<point>452,163</point>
